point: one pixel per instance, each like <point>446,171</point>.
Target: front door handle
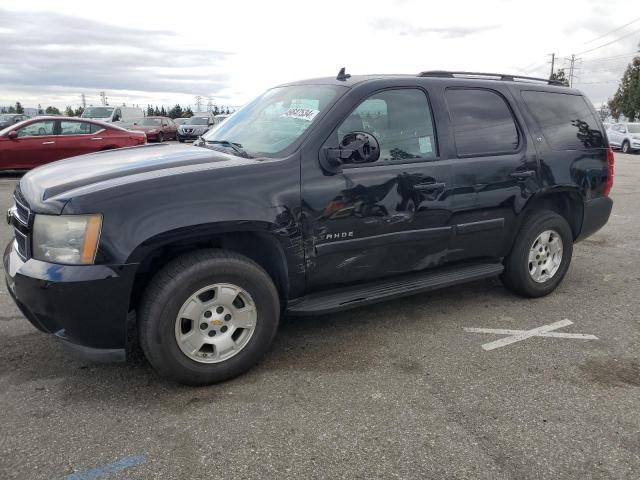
<point>523,175</point>
<point>48,143</point>
<point>96,138</point>
<point>430,187</point>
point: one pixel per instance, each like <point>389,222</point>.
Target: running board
<point>386,289</point>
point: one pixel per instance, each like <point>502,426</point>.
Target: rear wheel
<point>626,148</point>
<point>208,316</point>
<point>541,255</point>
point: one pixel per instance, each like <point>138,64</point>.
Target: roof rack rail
<point>487,76</point>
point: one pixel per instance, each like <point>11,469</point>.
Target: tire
<point>626,148</point>
<point>517,275</point>
<point>173,287</point>
<point>179,138</point>
<point>160,137</point>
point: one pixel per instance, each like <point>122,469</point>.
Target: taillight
<point>609,184</point>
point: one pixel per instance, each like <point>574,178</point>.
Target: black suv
<point>318,196</point>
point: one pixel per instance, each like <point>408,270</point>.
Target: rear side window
<point>566,120</point>
<point>482,122</point>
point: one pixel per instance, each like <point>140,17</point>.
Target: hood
<point>195,128</point>
<point>145,128</point>
<point>45,188</point>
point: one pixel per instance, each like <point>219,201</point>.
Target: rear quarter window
<point>566,120</point>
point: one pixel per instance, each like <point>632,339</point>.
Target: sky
<point>163,53</point>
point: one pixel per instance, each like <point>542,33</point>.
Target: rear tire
<point>161,326</point>
<point>626,148</point>
<point>534,267</point>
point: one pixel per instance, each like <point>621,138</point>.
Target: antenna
<point>342,75</point>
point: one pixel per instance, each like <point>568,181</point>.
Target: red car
<point>156,128</point>
<point>42,140</point>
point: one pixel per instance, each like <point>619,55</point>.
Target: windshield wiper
<point>236,147</point>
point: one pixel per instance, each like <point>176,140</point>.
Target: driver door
<point>36,144</point>
<point>371,220</point>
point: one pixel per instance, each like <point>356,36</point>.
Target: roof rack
<point>488,76</point>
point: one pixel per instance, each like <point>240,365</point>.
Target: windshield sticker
<point>307,114</point>
<point>425,144</point>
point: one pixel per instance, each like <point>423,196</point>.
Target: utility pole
<point>210,104</point>
<point>83,100</point>
<point>103,98</point>
<point>198,103</point>
<point>572,68</point>
<point>553,59</point>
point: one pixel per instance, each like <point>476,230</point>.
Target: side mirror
<point>356,147</point>
<point>12,135</point>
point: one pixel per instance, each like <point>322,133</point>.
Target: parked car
<point>8,119</point>
<point>625,136</point>
<point>316,197</point>
<point>42,140</point>
<point>112,114</point>
<point>194,127</point>
<point>180,121</point>
<point>220,118</point>
<point>156,128</point>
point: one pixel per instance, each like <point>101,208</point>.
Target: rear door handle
<point>430,187</point>
<point>48,143</point>
<point>523,175</point>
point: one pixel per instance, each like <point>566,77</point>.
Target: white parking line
<point>519,335</point>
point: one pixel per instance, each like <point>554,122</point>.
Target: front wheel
<point>208,316</point>
<point>160,137</point>
<point>540,256</point>
<point>179,138</point>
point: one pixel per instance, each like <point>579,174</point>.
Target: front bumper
<point>85,306</point>
<point>190,136</point>
<point>596,215</point>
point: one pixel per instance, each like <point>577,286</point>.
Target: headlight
<point>71,239</point>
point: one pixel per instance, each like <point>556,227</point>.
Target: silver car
<point>194,127</point>
<point>625,136</point>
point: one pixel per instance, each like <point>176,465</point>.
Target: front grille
<point>21,220</point>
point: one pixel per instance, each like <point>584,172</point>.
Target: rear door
<point>76,138</point>
<point>494,173</point>
<point>383,218</point>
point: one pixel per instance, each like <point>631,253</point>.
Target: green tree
<point>3,110</point>
<point>187,113</point>
<point>40,111</point>
<point>626,100</point>
<point>149,110</point>
<point>78,111</point>
<point>52,110</point>
<point>12,109</point>
<point>156,111</point>
<point>560,76</point>
<point>216,110</point>
<point>163,112</point>
<point>68,111</point>
<point>19,108</point>
<point>176,111</point>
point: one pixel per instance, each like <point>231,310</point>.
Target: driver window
<point>37,129</point>
<point>400,120</point>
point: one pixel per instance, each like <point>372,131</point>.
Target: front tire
<point>208,316</point>
<point>179,138</point>
<point>540,256</point>
<point>160,138</point>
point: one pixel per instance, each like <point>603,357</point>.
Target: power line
<point>609,43</point>
<point>612,31</point>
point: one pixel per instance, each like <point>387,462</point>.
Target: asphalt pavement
<point>394,390</point>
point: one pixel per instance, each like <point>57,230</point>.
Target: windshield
<point>152,122</point>
<point>275,120</point>
<point>6,117</point>
<point>97,112</point>
<point>197,121</point>
<point>634,128</point>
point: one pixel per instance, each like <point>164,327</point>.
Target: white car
<point>112,114</point>
<point>625,136</point>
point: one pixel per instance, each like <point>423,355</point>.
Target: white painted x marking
<point>519,335</point>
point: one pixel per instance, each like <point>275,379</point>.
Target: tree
<point>40,111</point>
<point>176,111</point>
<point>626,100</point>
<point>163,112</point>
<point>12,109</point>
<point>68,111</point>
<point>216,111</point>
<point>156,111</point>
<point>188,113</point>
<point>19,108</point>
<point>149,110</point>
<point>52,111</point>
<point>228,112</point>
<point>560,76</point>
<point>3,110</point>
<point>78,111</point>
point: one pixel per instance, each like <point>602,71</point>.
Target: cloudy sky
<point>169,52</point>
